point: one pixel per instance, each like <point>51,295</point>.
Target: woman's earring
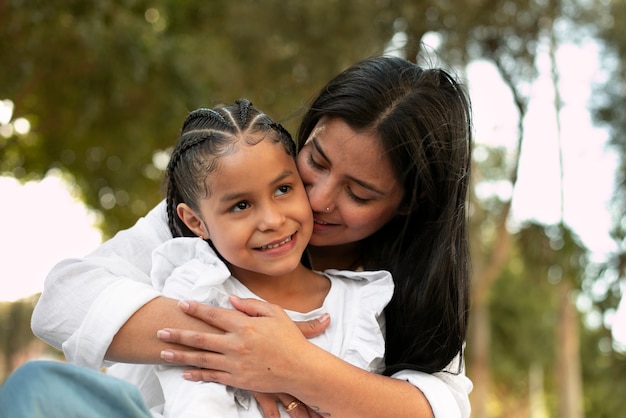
<point>327,209</point>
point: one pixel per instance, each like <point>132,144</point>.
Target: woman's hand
<point>259,349</point>
<point>296,409</point>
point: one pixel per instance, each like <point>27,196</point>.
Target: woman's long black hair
<point>423,120</point>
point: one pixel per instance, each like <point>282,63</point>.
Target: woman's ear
<point>192,220</point>
<point>404,209</point>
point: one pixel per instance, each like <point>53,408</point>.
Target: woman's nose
<point>321,196</point>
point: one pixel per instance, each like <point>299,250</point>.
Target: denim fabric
<point>54,389</point>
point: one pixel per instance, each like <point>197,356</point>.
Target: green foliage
<point>523,309</point>
<point>601,364</point>
<point>609,109</point>
<point>15,333</point>
<point>604,374</point>
<point>107,84</point>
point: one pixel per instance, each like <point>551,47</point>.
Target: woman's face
<point>351,185</point>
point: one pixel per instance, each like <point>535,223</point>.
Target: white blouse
<point>187,268</point>
<point>86,301</point>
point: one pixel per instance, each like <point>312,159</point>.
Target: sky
<point>43,222</point>
<point>588,165</point>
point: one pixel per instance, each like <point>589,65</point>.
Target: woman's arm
<point>103,306</point>
<point>264,353</point>
<point>86,301</point>
<point>137,342</point>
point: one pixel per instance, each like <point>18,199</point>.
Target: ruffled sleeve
<point>187,268</point>
<point>364,299</point>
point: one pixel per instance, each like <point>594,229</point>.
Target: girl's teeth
<point>267,247</point>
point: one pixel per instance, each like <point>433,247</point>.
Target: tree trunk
<point>537,404</point>
<point>479,342</point>
<point>568,370</point>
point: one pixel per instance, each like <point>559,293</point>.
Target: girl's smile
<point>279,244</point>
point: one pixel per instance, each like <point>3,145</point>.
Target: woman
<point>385,157</point>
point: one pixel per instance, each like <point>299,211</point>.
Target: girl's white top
<point>187,268</point>
<point>86,301</point>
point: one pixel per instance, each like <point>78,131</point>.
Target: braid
<point>285,137</point>
<point>172,216</point>
<point>206,136</point>
<point>200,118</point>
<point>244,107</point>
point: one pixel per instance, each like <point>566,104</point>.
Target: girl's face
<point>257,214</point>
<point>351,185</point>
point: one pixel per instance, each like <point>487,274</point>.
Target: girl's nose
<point>272,217</point>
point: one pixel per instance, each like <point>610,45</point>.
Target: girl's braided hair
<point>207,135</point>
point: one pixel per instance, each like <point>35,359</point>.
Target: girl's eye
<point>312,162</point>
<point>281,190</point>
<point>356,199</point>
<point>240,206</point>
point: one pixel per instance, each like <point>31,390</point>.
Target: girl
<point>233,185</point>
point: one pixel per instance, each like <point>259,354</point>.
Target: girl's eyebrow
<point>282,176</point>
<point>239,195</point>
<point>360,182</point>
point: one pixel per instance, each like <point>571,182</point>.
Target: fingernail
<point>184,305</point>
<point>187,376</point>
<point>163,334</point>
<point>324,318</point>
<point>167,355</point>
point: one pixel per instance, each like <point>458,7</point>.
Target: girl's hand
<point>260,348</point>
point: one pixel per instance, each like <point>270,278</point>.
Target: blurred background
<point>93,94</point>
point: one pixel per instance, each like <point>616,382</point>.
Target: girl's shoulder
<point>371,288</point>
<point>361,278</point>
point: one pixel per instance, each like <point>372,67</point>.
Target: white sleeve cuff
<point>118,302</point>
<point>445,399</point>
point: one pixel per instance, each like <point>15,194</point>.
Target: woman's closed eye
<point>356,199</point>
<point>316,166</point>
<point>312,163</point>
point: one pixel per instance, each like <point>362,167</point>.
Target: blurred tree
<point>505,33</point>
<point>604,362</point>
<point>522,337</point>
<point>531,336</point>
<point>14,332</point>
<point>106,86</point>
<point>17,342</point>
<point>609,105</point>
